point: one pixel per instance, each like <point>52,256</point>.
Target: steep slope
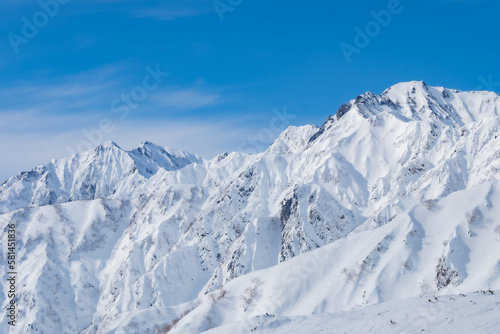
<point>104,172</point>
<point>397,192</point>
<point>425,251</point>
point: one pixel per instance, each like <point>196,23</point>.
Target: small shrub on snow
<point>218,295</point>
<point>430,204</point>
<point>445,274</point>
<point>406,265</point>
<point>251,292</point>
<point>174,322</point>
<point>475,216</point>
<point>497,230</point>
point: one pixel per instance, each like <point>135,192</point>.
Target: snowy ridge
<point>395,197</point>
<point>104,172</point>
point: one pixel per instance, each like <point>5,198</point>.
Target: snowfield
<point>384,219</point>
<point>475,313</point>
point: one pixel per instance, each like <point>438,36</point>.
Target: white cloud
<point>147,9</point>
<point>190,98</point>
<point>167,14</point>
<point>34,119</point>
<point>44,120</point>
<point>71,93</point>
<point>33,104</point>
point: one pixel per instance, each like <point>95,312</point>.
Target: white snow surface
<point>107,171</point>
<point>348,228</point>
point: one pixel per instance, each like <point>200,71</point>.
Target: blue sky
<point>237,75</point>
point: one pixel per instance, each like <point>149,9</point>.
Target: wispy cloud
<point>24,150</point>
<point>23,121</point>
<point>94,91</point>
<point>148,9</point>
<point>168,14</point>
<point>41,118</point>
<point>80,92</point>
<point>184,99</point>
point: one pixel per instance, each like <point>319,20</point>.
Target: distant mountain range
<point>393,201</point>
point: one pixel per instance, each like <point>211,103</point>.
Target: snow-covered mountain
<point>394,197</point>
<point>108,171</point>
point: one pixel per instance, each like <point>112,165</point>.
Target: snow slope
<point>394,197</point>
<point>475,313</point>
<point>423,251</point>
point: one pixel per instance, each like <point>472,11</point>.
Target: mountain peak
<point>411,87</point>
<point>415,101</point>
<point>150,157</point>
<point>147,143</point>
<point>147,148</point>
<point>413,177</point>
<point>109,145</point>
<point>104,172</point>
